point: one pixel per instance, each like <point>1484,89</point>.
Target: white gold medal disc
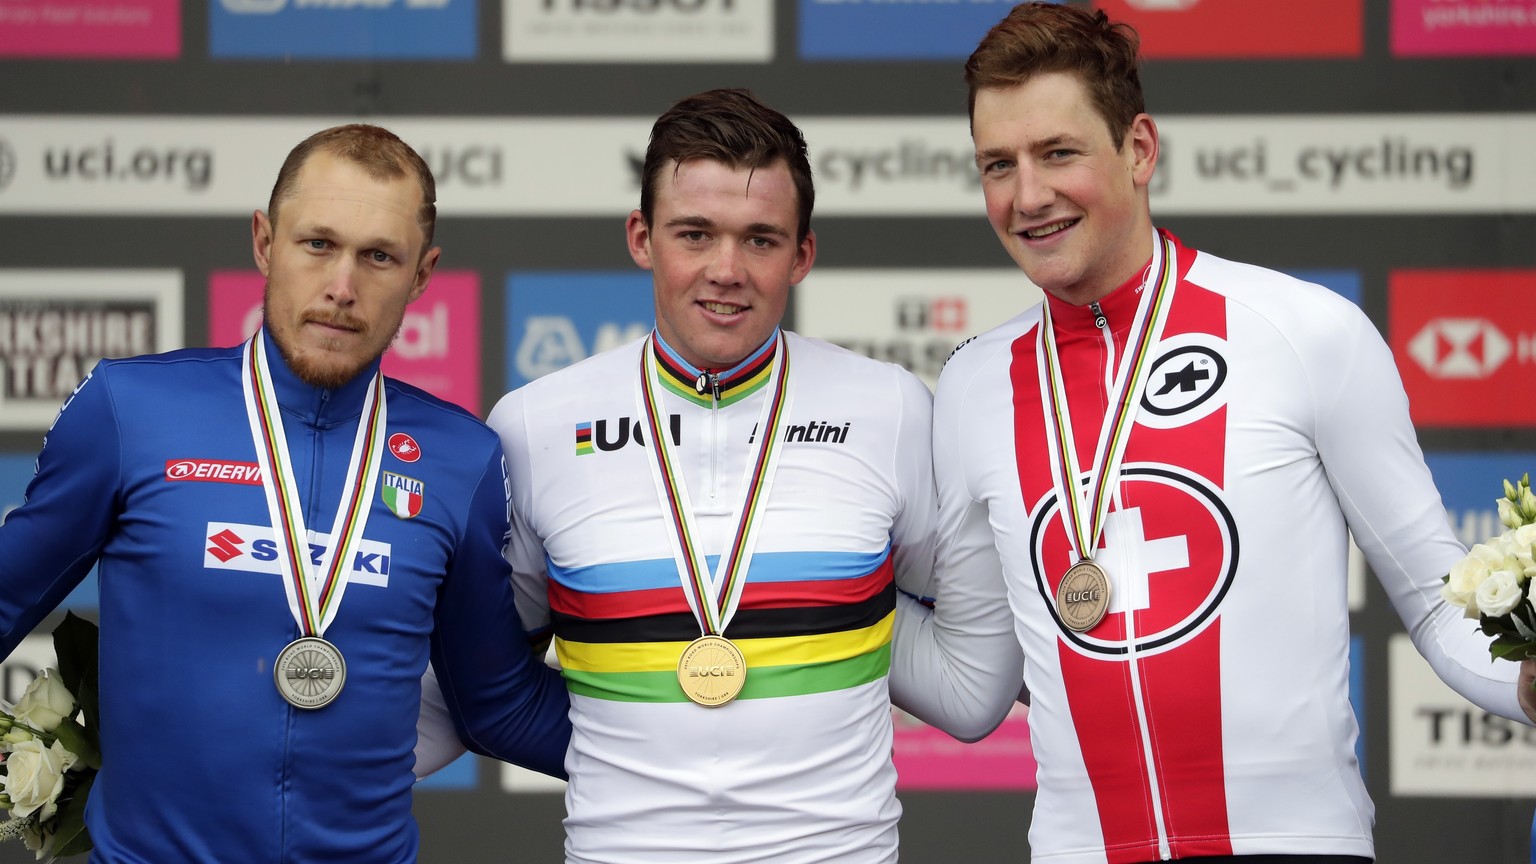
<point>309,672</point>
<point>1083,596</point>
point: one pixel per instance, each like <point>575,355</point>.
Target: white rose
<point>1499,593</point>
<point>46,703</point>
<point>1522,543</point>
<point>1468,573</point>
<point>1509,514</point>
<point>34,777</point>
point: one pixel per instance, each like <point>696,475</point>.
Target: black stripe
<point>748,623</point>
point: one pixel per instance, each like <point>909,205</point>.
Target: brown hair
<point>376,150</point>
<point>732,127</point>
<point>1038,38</point>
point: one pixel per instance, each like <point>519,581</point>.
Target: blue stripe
<point>766,567</point>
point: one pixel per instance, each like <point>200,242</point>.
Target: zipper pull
<point>1099,320</point>
<point>708,382</point>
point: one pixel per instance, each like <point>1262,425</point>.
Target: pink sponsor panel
<point>1463,28</point>
<point>141,29</point>
<point>927,759</point>
<point>438,348</point>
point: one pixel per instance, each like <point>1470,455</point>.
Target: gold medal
<point>1083,596</point>
<point>711,671</point>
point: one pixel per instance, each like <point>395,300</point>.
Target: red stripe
<point>1181,687</point>
<point>756,595</point>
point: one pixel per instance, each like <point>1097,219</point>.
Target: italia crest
<point>401,494</point>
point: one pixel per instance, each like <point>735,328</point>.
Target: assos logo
<point>254,549</point>
<point>1460,347</point>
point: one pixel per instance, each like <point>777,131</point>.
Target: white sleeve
<point>958,666</point>
<point>437,744</point>
<point>912,533</point>
<point>1372,458</point>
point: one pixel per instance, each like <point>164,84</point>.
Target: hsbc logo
<point>1460,348</point>
<point>254,549</point>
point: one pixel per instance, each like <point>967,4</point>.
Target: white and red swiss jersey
<point>1208,713</point>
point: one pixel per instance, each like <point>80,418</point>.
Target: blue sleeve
<point>505,703</point>
<point>50,542</point>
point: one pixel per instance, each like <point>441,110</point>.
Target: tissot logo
<point>254,549</point>
<point>610,435</point>
<point>1460,347</point>
<point>213,471</point>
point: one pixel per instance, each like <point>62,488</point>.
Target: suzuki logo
<point>226,545</point>
<point>1459,348</point>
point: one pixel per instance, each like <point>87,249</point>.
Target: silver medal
<point>309,672</point>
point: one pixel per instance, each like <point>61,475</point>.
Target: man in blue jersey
<point>284,538</point>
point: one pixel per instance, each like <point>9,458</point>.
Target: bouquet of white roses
<point>50,749</point>
<point>1493,583</point>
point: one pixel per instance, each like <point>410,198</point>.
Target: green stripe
<point>706,399</point>
<point>768,682</point>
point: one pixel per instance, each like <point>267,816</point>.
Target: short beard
<point>309,373</point>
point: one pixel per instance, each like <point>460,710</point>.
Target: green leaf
<point>75,739</point>
<point>1496,627</point>
<point>1508,648</point>
<point>74,641</point>
<point>70,835</point>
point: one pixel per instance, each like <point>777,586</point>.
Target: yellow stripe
<point>775,651</point>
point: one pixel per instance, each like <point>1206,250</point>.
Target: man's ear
<point>261,241</point>
<point>638,236</point>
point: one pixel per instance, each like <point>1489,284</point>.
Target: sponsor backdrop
<point>1379,147</point>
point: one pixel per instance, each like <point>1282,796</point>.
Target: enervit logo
<point>1460,348</point>
<point>7,163</point>
<point>213,471</point>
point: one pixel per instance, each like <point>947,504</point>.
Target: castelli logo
<point>404,447</point>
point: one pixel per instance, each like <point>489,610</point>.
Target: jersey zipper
<point>1132,659</point>
<point>710,382</point>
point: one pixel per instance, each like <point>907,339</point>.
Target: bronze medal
<point>1083,596</point>
<point>711,671</point>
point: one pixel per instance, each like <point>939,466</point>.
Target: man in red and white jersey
<point>1147,485</point>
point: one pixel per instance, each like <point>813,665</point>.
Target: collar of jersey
<point>736,383</point>
<point>1119,308</point>
<point>313,405</point>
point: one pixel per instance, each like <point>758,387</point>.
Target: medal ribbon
<point>1084,516</point>
<point>314,589</point>
<point>714,598</point>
